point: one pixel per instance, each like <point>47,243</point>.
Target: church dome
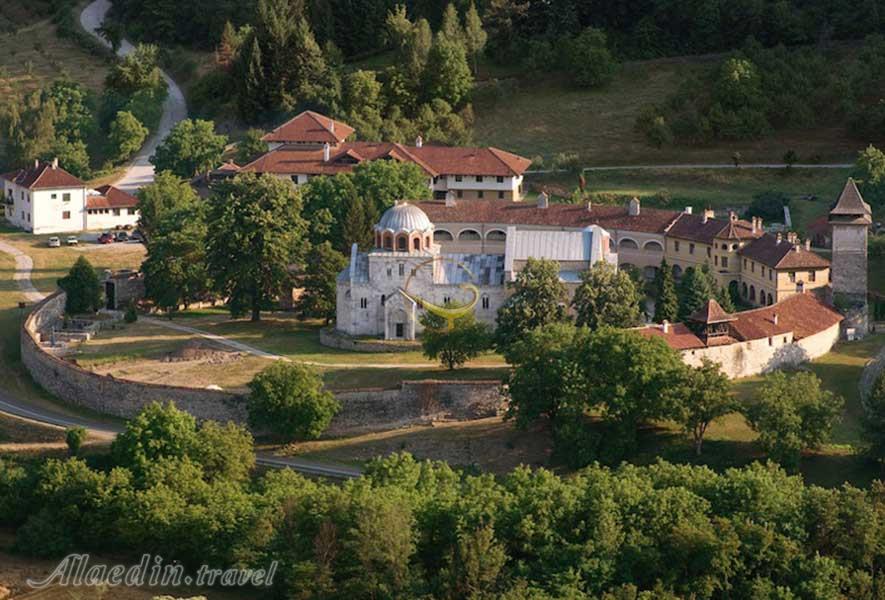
<point>404,217</point>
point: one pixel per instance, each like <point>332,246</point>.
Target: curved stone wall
<point>332,338</point>
<point>413,403</point>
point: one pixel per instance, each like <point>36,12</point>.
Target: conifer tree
<point>319,283</point>
<point>475,36</point>
<point>358,222</point>
<point>694,292</point>
<point>251,101</point>
<point>666,302</point>
<point>451,25</point>
<point>227,48</point>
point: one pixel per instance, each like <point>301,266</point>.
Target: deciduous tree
<point>318,299</point>
<point>82,287</point>
<point>289,399</point>
<point>705,396</point>
<point>168,193</point>
<point>454,346</point>
<point>607,296</point>
<point>192,147</point>
<point>126,136</point>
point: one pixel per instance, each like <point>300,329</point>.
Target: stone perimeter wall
<point>338,339</point>
<point>413,403</point>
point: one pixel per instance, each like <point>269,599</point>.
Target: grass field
<point>543,115</point>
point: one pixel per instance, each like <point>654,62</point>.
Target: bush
<point>44,535</point>
<point>74,437</point>
<point>82,287</point>
<point>289,400</point>
<point>589,60</point>
<point>131,314</point>
<point>126,136</point>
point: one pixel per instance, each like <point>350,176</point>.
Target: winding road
<point>140,172</point>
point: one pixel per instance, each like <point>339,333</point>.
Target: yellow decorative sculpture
<point>446,312</point>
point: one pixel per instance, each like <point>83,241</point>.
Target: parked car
<point>54,242</point>
<point>72,240</point>
<point>122,236</point>
<point>106,238</point>
<point>137,236</point>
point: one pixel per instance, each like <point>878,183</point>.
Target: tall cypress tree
<point>666,302</point>
<point>694,292</point>
<point>252,101</point>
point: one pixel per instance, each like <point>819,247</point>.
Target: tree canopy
<point>607,296</point>
<point>289,400</point>
<point>191,148</point>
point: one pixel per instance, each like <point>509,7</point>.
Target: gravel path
<point>22,276</point>
<point>141,171</point>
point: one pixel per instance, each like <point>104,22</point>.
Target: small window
<point>724,262</point>
<point>295,179</point>
<point>500,195</point>
<point>400,330</point>
<point>116,212</point>
<point>500,179</point>
<point>745,263</point>
<point>389,271</point>
<point>752,267</point>
<point>812,276</point>
<point>53,196</point>
<point>485,302</point>
<point>480,194</point>
<point>458,178</point>
<point>770,275</point>
<point>66,197</point>
<point>771,341</point>
<point>792,277</point>
<point>479,179</point>
<point>130,211</point>
<point>676,246</point>
<point>364,303</point>
<point>66,215</point>
<point>402,270</point>
<point>725,246</point>
<point>460,194</point>
<point>709,252</point>
<point>383,299</point>
<point>446,300</point>
<point>691,248</point>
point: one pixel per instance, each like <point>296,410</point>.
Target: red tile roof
<point>699,229</point>
<point>782,255</point>
<point>110,197</point>
<point>44,175</point>
<point>310,127</point>
<point>505,212</point>
<point>802,314</point>
<point>435,160</point>
<point>711,313</point>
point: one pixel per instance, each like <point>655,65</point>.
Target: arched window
<point>402,243</point>
<point>441,235</point>
<point>388,241</point>
<point>752,293</point>
<point>628,244</point>
<point>770,299</point>
<point>677,272</point>
<point>416,244</point>
<point>469,235</point>
<point>653,246</point>
<point>744,291</point>
<point>496,235</point>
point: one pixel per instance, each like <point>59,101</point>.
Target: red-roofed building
<point>108,207</point>
<point>44,198</point>
<point>311,144</point>
<point>800,328</point>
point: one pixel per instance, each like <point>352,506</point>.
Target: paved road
<point>140,172</point>
<point>52,414</point>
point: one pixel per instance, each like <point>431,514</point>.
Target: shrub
<point>131,314</point>
<point>82,287</point>
<point>44,535</point>
<point>74,437</point>
<point>288,399</point>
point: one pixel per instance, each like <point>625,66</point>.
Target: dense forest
<point>637,29</point>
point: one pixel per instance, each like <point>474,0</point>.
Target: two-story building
<point>310,145</point>
<point>44,199</point>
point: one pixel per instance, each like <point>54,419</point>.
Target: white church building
<point>380,293</point>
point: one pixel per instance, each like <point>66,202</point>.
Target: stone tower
<point>850,220</point>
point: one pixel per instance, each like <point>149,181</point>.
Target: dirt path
<point>23,267</point>
<point>141,171</point>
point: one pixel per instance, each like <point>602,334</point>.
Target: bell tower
<point>850,220</point>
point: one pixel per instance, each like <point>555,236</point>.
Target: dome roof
<point>404,217</point>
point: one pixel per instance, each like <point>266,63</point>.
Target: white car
<point>72,240</point>
<point>54,242</point>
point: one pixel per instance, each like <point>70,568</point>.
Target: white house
<point>44,198</point>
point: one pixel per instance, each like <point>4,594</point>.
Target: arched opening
<point>388,241</point>
<point>402,243</point>
<point>441,235</point>
<point>427,242</point>
<point>745,291</point>
<point>628,244</point>
<point>496,235</point>
<point>733,288</point>
<point>469,235</point>
<point>653,246</point>
<point>752,293</point>
<point>416,244</point>
<point>677,272</point>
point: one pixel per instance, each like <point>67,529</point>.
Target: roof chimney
<point>332,125</point>
<point>732,216</point>
<point>450,199</point>
<point>419,142</point>
<point>665,326</point>
<point>543,200</point>
<point>808,245</point>
<point>327,151</point>
<point>780,237</point>
<point>753,223</point>
<point>709,213</point>
<point>633,207</point>
<point>774,318</point>
<point>55,163</point>
<point>688,210</point>
<point>36,163</point>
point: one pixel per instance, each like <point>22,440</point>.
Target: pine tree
<point>666,302</point>
<point>694,292</point>
<point>451,25</point>
<point>251,101</point>
<point>475,37</point>
<point>227,48</point>
<point>721,294</point>
<point>358,222</point>
<point>447,76</point>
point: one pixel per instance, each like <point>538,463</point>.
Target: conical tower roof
<point>851,208</point>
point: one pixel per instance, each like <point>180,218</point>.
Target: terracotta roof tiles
<point>44,175</point>
<point>110,197</point>
<point>310,127</point>
<point>782,254</point>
